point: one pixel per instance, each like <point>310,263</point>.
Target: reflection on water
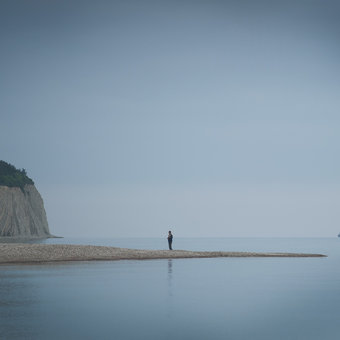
<point>170,268</point>
<point>169,271</point>
<point>170,276</point>
<point>169,300</point>
<point>19,299</point>
<point>258,299</point>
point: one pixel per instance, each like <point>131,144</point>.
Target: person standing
<point>170,237</point>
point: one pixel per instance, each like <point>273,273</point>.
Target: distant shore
<point>11,253</point>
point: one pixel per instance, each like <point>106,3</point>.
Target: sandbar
<point>11,253</point>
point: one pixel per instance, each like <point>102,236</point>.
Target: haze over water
<point>235,298</point>
<point>220,118</point>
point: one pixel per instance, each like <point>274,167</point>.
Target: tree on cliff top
<point>10,176</point>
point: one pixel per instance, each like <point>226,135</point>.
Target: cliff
<point>22,213</point>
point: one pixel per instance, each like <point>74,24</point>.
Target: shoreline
<point>21,253</point>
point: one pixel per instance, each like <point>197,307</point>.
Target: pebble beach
<point>11,253</point>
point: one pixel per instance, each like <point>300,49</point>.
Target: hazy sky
<point>217,118</point>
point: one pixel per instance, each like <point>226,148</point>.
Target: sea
<point>218,298</point>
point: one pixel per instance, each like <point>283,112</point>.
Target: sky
<point>210,118</point>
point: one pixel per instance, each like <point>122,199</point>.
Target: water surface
<point>220,298</point>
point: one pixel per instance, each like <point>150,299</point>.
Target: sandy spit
<point>38,253</point>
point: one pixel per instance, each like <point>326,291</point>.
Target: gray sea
<point>220,298</point>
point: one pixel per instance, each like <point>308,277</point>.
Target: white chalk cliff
<point>22,213</point>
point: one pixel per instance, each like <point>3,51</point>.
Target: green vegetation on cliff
<point>10,176</point>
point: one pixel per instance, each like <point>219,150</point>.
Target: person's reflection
<point>170,276</point>
<point>170,311</point>
<point>170,267</point>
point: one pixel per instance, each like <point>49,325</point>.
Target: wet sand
<point>11,253</point>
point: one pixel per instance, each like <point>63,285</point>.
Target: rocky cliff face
<point>22,213</point>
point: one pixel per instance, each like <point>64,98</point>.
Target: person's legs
<point>170,244</point>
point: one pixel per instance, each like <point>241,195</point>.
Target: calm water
<point>249,298</point>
